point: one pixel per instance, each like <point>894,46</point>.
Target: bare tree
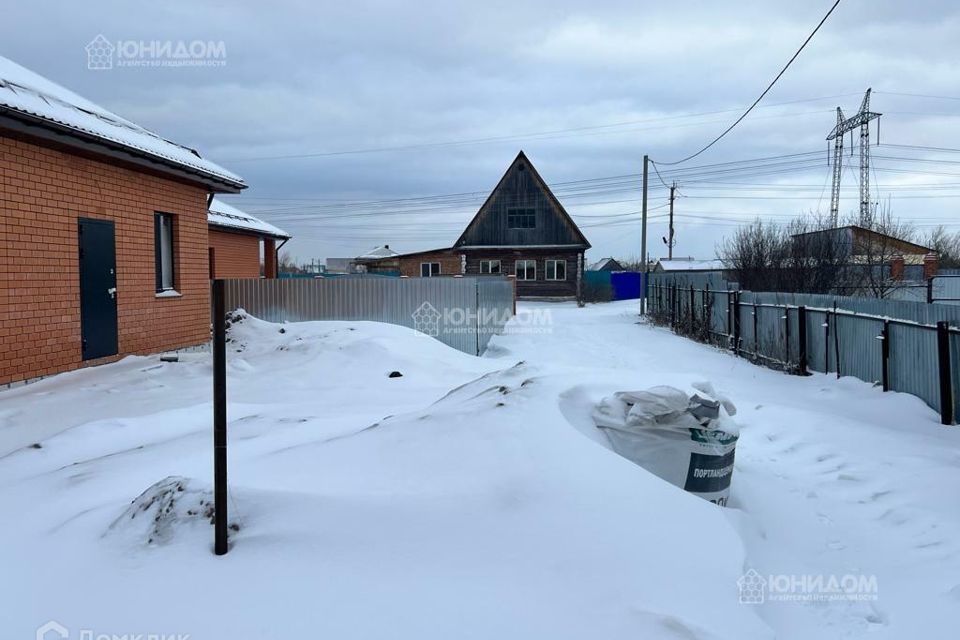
<point>873,252</point>
<point>946,245</point>
<point>288,263</point>
<point>806,255</point>
<point>754,255</point>
<point>633,263</point>
<point>814,258</point>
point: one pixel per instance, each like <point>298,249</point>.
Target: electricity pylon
<point>861,119</point>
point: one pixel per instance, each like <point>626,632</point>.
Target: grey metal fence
<point>906,346</point>
<point>460,312</point>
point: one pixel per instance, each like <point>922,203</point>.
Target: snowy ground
<point>469,498</point>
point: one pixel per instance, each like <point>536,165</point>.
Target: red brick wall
<point>235,255</point>
<point>42,193</point>
<point>449,263</point>
<point>269,258</point>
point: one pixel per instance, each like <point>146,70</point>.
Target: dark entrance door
<point>98,288</point>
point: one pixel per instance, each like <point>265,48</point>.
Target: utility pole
<point>643,236</point>
<point>673,188</point>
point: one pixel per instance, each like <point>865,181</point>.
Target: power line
<point>765,91</point>
<point>541,135</point>
<point>917,95</point>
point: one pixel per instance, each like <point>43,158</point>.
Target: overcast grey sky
<point>610,80</point>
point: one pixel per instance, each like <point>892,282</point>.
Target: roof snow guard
<point>29,98</point>
<point>227,216</point>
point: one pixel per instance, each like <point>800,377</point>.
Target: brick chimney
<point>931,265</point>
<point>897,267</point>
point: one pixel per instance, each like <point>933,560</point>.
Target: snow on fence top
<point>222,214</point>
<point>29,93</point>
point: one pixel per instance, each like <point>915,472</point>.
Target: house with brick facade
<point>104,235</point>
<point>242,245</point>
<point>521,230</point>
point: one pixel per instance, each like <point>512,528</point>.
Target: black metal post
<point>802,340</point>
<point>836,338</point>
<point>929,290</point>
<point>673,306</point>
<point>729,314</point>
<point>826,341</point>
<point>786,336</point>
<point>707,315</point>
<point>736,323</point>
<point>756,337</point>
<point>219,419</point>
<point>693,316</point>
<point>885,355</point>
<point>943,358</point>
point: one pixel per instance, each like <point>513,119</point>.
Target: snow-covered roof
<point>379,252</point>
<point>30,94</point>
<point>689,264</point>
<point>600,264</point>
<point>222,214</point>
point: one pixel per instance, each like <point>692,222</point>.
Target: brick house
<point>103,233</point>
<point>241,245</point>
<point>522,230</point>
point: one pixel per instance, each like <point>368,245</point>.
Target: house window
<point>556,270</point>
<point>526,269</point>
<point>489,266</point>
<point>521,218</point>
<point>163,251</point>
<point>428,269</point>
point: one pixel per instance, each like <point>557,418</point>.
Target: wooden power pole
<point>673,188</point>
<point>643,236</point>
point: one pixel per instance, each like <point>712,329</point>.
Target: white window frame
<point>554,262</point>
<point>164,247</point>
<point>430,272</point>
<point>526,270</point>
<point>489,266</point>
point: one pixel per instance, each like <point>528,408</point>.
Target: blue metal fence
<point>615,285</point>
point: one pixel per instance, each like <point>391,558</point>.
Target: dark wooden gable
<point>521,211</point>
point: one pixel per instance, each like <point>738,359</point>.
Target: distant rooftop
<point>690,264</point>
<point>383,251</point>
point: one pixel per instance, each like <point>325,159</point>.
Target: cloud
<point>305,77</point>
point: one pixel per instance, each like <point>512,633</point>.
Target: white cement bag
<point>689,441</point>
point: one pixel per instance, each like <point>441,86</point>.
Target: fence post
<point>219,420</point>
<point>476,286</point>
<point>836,338</point>
<point>802,340</point>
<point>736,323</point>
<point>885,354</point>
<point>943,357</point>
<point>729,315</point>
<point>707,316</point>
<point>756,337</point>
<point>673,306</point>
<point>693,316</point>
<point>826,341</point>
<point>786,336</point>
<point>930,290</point>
